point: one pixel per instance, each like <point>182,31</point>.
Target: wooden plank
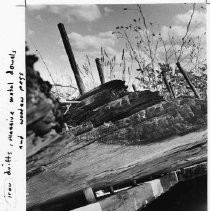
<point>88,166</point>
<point>124,107</point>
<point>72,60</point>
<point>138,197</point>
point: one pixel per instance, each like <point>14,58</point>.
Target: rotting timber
<point>112,139</point>
<point>115,138</point>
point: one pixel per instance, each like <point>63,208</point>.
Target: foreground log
<point>153,124</point>
<point>125,163</point>
<point>154,141</point>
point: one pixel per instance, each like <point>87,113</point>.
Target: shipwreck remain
<point>130,146</point>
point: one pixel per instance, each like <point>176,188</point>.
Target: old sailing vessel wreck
<point>121,150</point>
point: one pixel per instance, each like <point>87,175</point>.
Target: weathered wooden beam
<point>95,98</point>
<point>150,125</point>
<point>148,143</point>
<point>114,85</point>
<point>72,60</point>
<point>90,169</point>
<point>116,109</point>
<point>100,70</point>
<point>187,79</point>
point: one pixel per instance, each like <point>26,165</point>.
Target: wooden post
<point>100,70</point>
<point>134,87</point>
<point>171,88</point>
<point>187,79</point>
<point>166,83</point>
<point>111,189</point>
<point>72,61</point>
<point>89,195</point>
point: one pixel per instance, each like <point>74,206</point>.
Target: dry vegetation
<point>156,57</point>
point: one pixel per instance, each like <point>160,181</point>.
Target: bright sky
<point>90,27</point>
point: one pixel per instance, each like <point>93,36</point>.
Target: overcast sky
<point>90,27</point>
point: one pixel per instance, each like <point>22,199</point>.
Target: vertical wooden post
<point>167,84</point>
<point>171,88</point>
<point>100,70</point>
<point>187,79</point>
<point>111,189</point>
<point>134,87</point>
<point>72,61</point>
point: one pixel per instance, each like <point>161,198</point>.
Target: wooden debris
<point>153,124</point>
<point>83,158</point>
<point>114,138</point>
<point>116,109</point>
<point>97,97</point>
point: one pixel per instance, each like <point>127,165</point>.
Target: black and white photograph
<point>116,106</point>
